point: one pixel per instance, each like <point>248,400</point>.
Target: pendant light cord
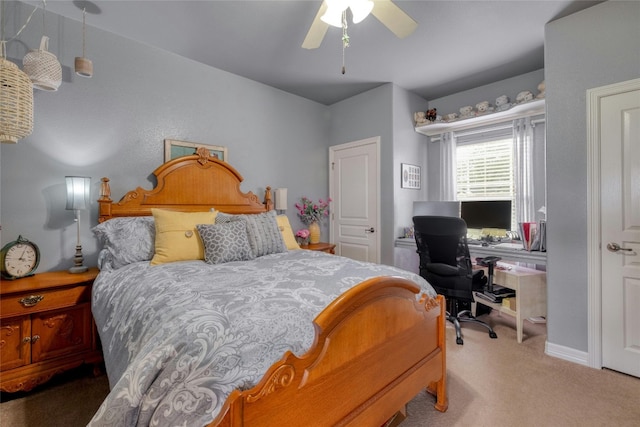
<point>44,12</point>
<point>19,31</point>
<point>84,15</point>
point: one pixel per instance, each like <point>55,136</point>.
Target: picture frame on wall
<point>411,176</point>
<point>174,148</point>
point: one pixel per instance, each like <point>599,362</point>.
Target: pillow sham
<point>176,235</point>
<point>264,235</point>
<point>287,232</point>
<point>225,242</point>
<point>125,240</point>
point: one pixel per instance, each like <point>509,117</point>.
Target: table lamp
<point>281,200</point>
<point>78,198</point>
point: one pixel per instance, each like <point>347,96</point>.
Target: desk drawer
<point>37,301</point>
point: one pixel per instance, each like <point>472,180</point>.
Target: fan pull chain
<point>345,38</point>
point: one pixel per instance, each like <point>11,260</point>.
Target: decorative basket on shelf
<point>43,67</point>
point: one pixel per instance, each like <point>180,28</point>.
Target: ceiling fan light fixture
<point>333,15</point>
<point>360,9</point>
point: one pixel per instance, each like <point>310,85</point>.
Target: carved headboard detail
<point>189,184</point>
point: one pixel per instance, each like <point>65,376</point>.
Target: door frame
<point>375,140</point>
<point>594,245</point>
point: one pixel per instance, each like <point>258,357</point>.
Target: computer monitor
<point>436,208</point>
<point>487,214</point>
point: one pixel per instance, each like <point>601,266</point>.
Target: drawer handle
<point>26,340</point>
<point>32,300</point>
<point>35,338</point>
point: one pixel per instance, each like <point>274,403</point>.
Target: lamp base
<point>78,269</point>
<point>78,261</point>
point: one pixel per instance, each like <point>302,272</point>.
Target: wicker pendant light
<point>83,65</point>
<point>42,66</point>
<point>16,101</point>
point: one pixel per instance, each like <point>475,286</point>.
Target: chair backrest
<point>441,239</point>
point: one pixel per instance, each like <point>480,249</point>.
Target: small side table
<point>46,327</point>
<point>322,247</point>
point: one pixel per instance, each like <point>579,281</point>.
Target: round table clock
<point>19,258</point>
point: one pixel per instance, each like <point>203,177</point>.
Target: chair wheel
<point>459,341</point>
<point>493,334</point>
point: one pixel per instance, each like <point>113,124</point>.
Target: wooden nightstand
<point>322,247</point>
<point>46,328</point>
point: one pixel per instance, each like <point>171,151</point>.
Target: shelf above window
<point>527,109</point>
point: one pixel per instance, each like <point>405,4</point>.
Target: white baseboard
<point>566,353</point>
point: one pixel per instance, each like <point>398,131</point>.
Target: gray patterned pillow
<point>264,234</point>
<point>126,240</point>
<point>225,242</point>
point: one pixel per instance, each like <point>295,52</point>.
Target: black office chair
<point>446,264</point>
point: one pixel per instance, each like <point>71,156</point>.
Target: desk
<point>507,254</point>
<point>531,294</point>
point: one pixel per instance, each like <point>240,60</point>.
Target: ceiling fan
<point>330,12</point>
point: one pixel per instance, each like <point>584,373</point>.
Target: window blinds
<point>485,170</point>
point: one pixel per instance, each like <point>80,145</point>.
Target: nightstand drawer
<point>37,301</point>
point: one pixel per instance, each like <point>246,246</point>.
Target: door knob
<point>370,230</point>
<point>614,247</point>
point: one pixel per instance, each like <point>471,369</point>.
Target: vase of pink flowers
<point>302,237</point>
<point>311,213</point>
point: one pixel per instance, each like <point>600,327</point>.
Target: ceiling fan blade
<point>394,18</point>
<point>317,30</point>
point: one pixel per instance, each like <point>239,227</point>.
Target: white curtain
<point>448,166</point>
<point>523,164</point>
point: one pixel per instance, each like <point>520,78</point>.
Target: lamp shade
<point>16,102</point>
<point>78,192</point>
<point>43,67</point>
<point>360,9</point>
<point>281,199</point>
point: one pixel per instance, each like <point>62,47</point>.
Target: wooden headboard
<point>189,184</point>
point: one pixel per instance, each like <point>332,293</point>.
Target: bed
<point>268,337</point>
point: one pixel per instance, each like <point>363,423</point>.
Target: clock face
<point>20,259</point>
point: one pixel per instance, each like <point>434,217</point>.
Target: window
<point>485,171</point>
<point>502,161</point>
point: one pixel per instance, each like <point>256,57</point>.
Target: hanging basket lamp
<point>83,65</point>
<point>16,102</point>
<point>43,67</point>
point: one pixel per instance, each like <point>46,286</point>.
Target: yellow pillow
<point>176,236</point>
<point>287,232</point>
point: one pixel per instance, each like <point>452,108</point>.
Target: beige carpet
<point>491,383</point>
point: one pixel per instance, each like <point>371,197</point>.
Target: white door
<point>354,188</point>
<point>620,230</point>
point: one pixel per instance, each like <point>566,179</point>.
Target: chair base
<point>466,316</point>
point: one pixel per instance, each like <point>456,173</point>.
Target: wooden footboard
<point>376,348</point>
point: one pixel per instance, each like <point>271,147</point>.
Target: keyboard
<point>508,246</point>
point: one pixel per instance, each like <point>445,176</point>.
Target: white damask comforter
<point>178,338</point>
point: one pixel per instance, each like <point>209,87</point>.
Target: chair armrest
<point>445,270</point>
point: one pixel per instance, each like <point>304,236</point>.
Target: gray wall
<point>387,112</point>
<point>592,48</point>
<point>408,147</point>
<point>363,116</point>
<point>114,125</point>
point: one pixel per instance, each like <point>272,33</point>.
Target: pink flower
<point>304,233</point>
<point>309,212</point>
